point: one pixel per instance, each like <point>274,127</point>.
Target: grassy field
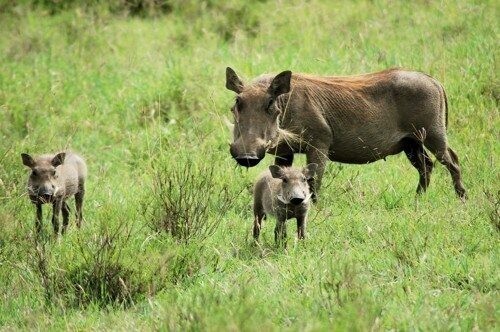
<point>142,98</point>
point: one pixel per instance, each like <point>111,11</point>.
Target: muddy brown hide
<point>354,119</point>
<point>284,193</point>
<point>53,179</point>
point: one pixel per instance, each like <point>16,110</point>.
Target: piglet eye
<point>53,173</point>
<point>285,180</point>
<point>34,173</point>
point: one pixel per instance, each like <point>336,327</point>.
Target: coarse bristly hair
<point>283,136</point>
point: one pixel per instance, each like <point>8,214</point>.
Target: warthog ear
<point>276,171</point>
<point>27,160</point>
<point>58,159</point>
<point>310,171</point>
<point>233,82</point>
<point>280,84</point>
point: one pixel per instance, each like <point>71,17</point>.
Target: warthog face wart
<point>43,185</point>
<point>255,116</point>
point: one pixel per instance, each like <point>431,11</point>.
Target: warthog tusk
<point>308,197</point>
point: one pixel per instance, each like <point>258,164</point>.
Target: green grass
<point>140,97</point>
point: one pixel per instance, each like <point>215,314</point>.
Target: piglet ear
<point>58,159</point>
<point>310,171</point>
<point>27,160</point>
<point>276,171</point>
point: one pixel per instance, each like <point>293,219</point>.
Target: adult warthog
<point>354,119</point>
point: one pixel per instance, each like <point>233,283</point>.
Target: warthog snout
<point>297,200</point>
<point>46,190</point>
<point>247,158</point>
<point>41,189</point>
<point>46,194</point>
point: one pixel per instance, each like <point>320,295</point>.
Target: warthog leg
<point>438,146</point>
<point>280,232</point>
<point>420,160</point>
<point>39,216</point>
<point>56,210</point>
<point>284,160</point>
<point>79,203</point>
<point>450,160</point>
<point>257,224</point>
<point>65,214</point>
<point>301,227</point>
<point>318,156</point>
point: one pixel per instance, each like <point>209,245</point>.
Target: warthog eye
<point>238,103</point>
<point>270,103</point>
<point>53,173</point>
<point>285,180</point>
<point>34,173</point>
